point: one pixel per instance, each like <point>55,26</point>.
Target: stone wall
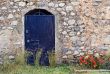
<point>71,26</point>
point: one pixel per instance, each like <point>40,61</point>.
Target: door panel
<point>39,32</point>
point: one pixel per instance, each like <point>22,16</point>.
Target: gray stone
<point>3,28</point>
<point>22,4</point>
<point>97,55</point>
<point>98,0</point>
<point>1,63</point>
<point>81,53</point>
<point>16,0</point>
<point>66,19</point>
<point>69,8</point>
<point>56,5</point>
<point>79,43</point>
<point>71,34</point>
<point>51,4</point>
<point>31,3</point>
<point>59,9</point>
<point>77,28</point>
<point>14,22</point>
<point>79,22</point>
<point>71,22</point>
<point>11,57</point>
<point>64,57</point>
<point>75,52</point>
<point>68,52</point>
<point>1,18</point>
<point>64,32</point>
<point>75,3</point>
<point>10,28</point>
<point>72,13</point>
<point>63,13</point>
<point>10,16</point>
<point>11,3</point>
<point>62,4</point>
<point>3,8</point>
<point>78,33</point>
<point>74,38</point>
<point>90,52</point>
<point>83,38</point>
<point>66,24</point>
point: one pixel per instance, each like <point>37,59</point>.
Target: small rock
<point>31,3</point>
<point>69,8</point>
<point>65,57</point>
<point>1,62</point>
<point>72,14</point>
<point>4,8</point>
<point>63,13</point>
<point>14,23</point>
<point>51,4</point>
<point>68,52</point>
<point>10,16</point>
<point>1,18</point>
<point>22,3</point>
<point>90,52</point>
<point>62,4</point>
<point>10,28</point>
<point>76,52</point>
<point>74,3</point>
<point>59,9</point>
<point>16,0</point>
<point>71,22</point>
<point>97,55</point>
<point>71,34</point>
<point>65,19</point>
<point>16,7</point>
<point>11,3</point>
<point>98,0</point>
<point>79,22</point>
<point>64,32</point>
<point>11,57</point>
<point>14,11</point>
<point>77,28</point>
<point>56,5</point>
<point>3,28</point>
<point>65,23</point>
<point>83,38</point>
<point>81,53</point>
<point>78,33</point>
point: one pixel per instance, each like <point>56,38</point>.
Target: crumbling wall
<point>80,25</point>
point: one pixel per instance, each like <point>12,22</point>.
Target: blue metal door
<point>39,32</point>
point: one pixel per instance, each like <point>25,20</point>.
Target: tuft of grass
<point>19,66</point>
<point>52,59</point>
<point>19,69</point>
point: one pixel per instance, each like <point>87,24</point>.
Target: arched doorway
<point>39,32</point>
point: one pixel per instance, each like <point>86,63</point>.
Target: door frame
<point>58,44</point>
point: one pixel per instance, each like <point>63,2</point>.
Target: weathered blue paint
<point>39,33</point>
